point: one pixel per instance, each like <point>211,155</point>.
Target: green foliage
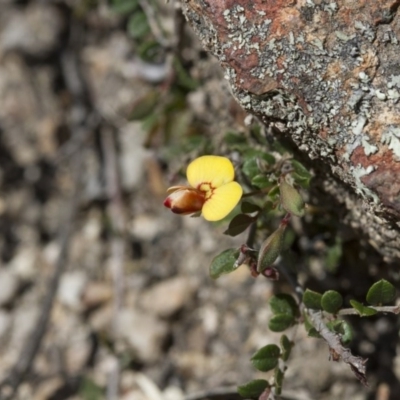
<point>312,299</point>
<point>223,263</point>
<point>382,292</point>
<point>301,175</point>
<point>286,346</point>
<point>279,374</point>
<point>261,181</point>
<point>280,322</point>
<point>253,389</point>
<point>283,304</point>
<point>89,390</point>
<point>184,80</point>
<point>333,255</point>
<point>249,208</point>
<point>331,301</point>
<point>138,26</point>
<point>362,310</point>
<point>341,328</point>
<point>145,106</point>
<point>266,358</point>
<point>239,224</point>
<point>235,141</point>
<point>124,6</point>
<point>285,310</point>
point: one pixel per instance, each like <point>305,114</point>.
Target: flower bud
<point>291,199</point>
<point>270,249</point>
<point>185,200</point>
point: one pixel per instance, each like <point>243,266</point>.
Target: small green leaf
<point>138,25</point>
<point>270,249</point>
<point>150,51</point>
<point>291,200</point>
<point>286,346</point>
<point>223,263</point>
<point>362,310</point>
<point>347,335</point>
<point>333,255</point>
<point>253,389</point>
<point>279,374</point>
<point>342,328</point>
<point>280,322</point>
<point>312,299</point>
<point>262,155</point>
<point>273,192</point>
<point>381,292</point>
<point>248,208</point>
<point>266,358</point>
<point>124,6</point>
<point>283,304</point>
<point>184,79</point>
<point>250,168</point>
<point>261,181</point>
<point>232,138</point>
<point>331,301</point>
<point>301,175</point>
<point>312,332</point>
<point>239,224</point>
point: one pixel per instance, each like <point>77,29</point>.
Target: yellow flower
<point>212,189</point>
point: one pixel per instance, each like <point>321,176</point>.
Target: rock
<point>146,227</point>
<point>24,263</point>
<point>173,393</point>
<point>71,289</point>
<point>96,294</point>
<point>101,319</point>
<point>48,388</point>
<point>35,32</point>
<point>77,353</point>
<point>133,154</point>
<point>8,286</point>
<point>144,333</point>
<point>24,322</point>
<point>166,298</point>
<point>134,394</point>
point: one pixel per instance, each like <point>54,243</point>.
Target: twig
<point>223,393</point>
<point>116,214</point>
<point>337,350</point>
<point>384,309</point>
<point>155,25</point>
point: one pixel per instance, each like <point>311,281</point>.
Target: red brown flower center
<point>207,189</point>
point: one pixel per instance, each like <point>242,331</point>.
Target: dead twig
<point>336,349</point>
<point>118,245</point>
<point>223,393</point>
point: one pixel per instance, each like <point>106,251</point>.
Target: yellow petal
<point>214,170</point>
<point>222,201</point>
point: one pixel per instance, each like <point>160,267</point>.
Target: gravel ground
<point>135,315</point>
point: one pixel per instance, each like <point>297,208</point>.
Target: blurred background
<point>105,294</point>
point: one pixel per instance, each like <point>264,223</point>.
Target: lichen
<point>358,172</point>
<point>391,137</point>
